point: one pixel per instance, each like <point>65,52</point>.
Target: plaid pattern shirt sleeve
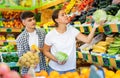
<point>23,46</point>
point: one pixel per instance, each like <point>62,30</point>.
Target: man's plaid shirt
<point>23,47</point>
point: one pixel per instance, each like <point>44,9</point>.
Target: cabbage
<point>109,18</point>
<point>118,15</point>
<point>115,20</point>
<point>61,56</point>
<point>99,15</point>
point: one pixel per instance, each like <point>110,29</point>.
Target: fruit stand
<point>103,51</point>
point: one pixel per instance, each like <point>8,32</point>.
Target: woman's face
<point>62,17</point>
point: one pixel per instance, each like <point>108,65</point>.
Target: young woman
<point>63,38</point>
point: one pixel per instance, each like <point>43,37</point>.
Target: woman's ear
<point>56,20</point>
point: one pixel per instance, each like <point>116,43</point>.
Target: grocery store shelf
<point>7,42</point>
<point>10,30</point>
<point>100,59</point>
<point>50,4</point>
<point>107,28</point>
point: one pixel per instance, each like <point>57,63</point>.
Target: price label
<point>9,30</point>
<point>94,58</point>
<point>118,64</point>
<point>86,29</point>
<point>118,26</point>
<point>107,29</point>
<point>15,68</point>
<point>85,56</point>
<point>106,61</point>
<point>5,43</point>
<point>97,31</point>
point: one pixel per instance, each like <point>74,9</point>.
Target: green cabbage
<point>118,14</point>
<point>99,15</point>
<point>61,56</point>
<point>109,18</point>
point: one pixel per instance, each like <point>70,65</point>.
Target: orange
<point>42,73</point>
<point>54,74</point>
<point>118,72</point>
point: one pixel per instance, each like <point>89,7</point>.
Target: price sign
<point>106,61</point>
<point>85,56</point>
<point>94,58</point>
<point>118,26</point>
<point>107,29</point>
<point>97,31</point>
<point>15,68</point>
<point>5,43</point>
<point>86,29</point>
<point>9,30</point>
<point>118,64</point>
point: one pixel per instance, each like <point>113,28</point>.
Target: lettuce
<point>99,15</point>
<point>61,56</point>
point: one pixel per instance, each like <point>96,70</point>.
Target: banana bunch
<point>100,47</point>
<point>34,48</point>
<point>29,59</point>
<point>109,39</point>
<point>69,6</point>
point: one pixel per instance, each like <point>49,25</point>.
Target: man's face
<point>29,22</point>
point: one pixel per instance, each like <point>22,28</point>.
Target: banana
<point>103,43</point>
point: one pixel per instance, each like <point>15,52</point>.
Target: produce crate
<point>14,66</point>
<point>10,57</point>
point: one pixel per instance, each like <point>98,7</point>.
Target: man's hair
<point>26,14</point>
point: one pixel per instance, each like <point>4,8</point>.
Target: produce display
<point>11,19</point>
<point>8,48</point>
<point>10,57</point>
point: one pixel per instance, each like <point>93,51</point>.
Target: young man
<point>31,35</point>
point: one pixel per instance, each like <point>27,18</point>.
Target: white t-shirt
<point>65,42</point>
<point>33,39</point>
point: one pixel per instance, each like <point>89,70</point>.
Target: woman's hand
<point>101,23</point>
<point>61,63</point>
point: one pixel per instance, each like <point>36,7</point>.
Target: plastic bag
<point>31,72</point>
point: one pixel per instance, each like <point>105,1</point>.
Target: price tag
<point>15,68</point>
<point>97,31</point>
<point>86,29</point>
<point>9,30</point>
<point>118,64</point>
<point>5,43</point>
<point>118,26</point>
<point>107,29</point>
<point>106,61</point>
<point>94,58</point>
<point>85,56</point>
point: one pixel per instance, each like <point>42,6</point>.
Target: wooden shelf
<point>53,3</point>
<point>7,42</point>
<point>10,30</point>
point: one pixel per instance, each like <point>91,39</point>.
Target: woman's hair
<point>55,16</point>
<point>26,14</point>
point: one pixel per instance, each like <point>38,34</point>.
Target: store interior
<point>98,59</point>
